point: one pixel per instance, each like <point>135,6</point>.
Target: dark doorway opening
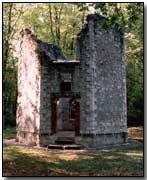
<point>65,114</point>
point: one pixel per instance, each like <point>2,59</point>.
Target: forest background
<point>59,24</point>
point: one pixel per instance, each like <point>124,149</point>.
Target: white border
<point>29,1</point>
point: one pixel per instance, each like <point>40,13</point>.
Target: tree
<point>55,23</point>
<point>59,23</point>
<point>10,20</point>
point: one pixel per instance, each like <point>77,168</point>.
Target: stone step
<point>65,140</point>
<point>64,147</point>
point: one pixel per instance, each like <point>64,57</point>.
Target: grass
<point>25,161</point>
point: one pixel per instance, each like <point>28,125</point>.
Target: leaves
<point>59,23</point>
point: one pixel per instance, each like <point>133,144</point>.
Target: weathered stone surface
<point>99,81</point>
<point>103,80</point>
<point>50,51</point>
<point>28,109</point>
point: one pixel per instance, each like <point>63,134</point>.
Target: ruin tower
<point>103,115</point>
<point>81,101</point>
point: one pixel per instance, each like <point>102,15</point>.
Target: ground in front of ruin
<point>120,160</point>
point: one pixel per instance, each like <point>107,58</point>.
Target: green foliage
<point>9,100</point>
<point>55,23</point>
<point>9,132</point>
<point>59,23</point>
<point>11,16</point>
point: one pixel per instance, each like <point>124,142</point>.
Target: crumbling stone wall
<point>103,85</point>
<point>36,80</point>
<point>28,100</point>
<point>99,81</point>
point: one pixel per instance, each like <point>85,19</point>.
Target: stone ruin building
<point>79,101</point>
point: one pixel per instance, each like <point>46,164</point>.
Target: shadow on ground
<point>25,161</point>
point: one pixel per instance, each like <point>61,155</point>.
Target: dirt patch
<point>135,133</point>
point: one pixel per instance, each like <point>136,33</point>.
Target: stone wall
<point>103,84</point>
<point>99,81</point>
<point>50,86</point>
<point>28,100</point>
<point>37,80</point>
